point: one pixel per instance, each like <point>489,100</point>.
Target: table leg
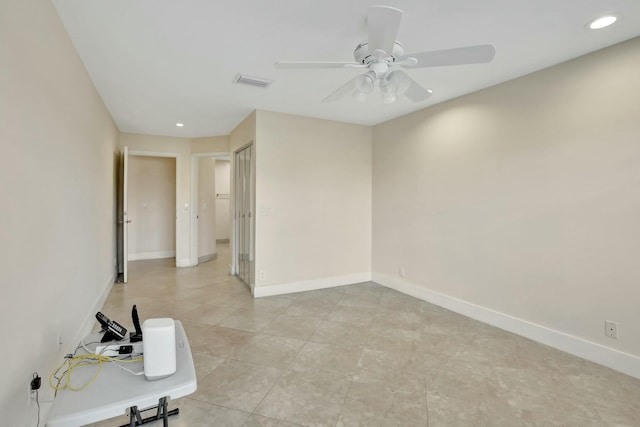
<point>134,417</point>
<point>163,413</point>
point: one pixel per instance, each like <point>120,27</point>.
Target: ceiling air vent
<point>252,81</point>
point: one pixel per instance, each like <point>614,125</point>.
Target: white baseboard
<point>310,285</point>
<point>206,258</point>
<point>87,324</point>
<point>151,255</point>
<point>606,356</point>
<point>186,262</point>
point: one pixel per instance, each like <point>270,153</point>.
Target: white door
<point>125,217</point>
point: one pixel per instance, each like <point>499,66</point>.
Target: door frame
<point>193,222</point>
<point>177,157</point>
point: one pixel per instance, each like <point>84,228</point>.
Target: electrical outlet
<point>401,271</point>
<point>59,342</point>
<point>611,329</point>
<point>262,275</point>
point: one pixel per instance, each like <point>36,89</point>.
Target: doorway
<point>149,182</point>
<point>210,225</point>
<point>244,218</point>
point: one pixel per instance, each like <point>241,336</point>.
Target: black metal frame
<point>135,415</point>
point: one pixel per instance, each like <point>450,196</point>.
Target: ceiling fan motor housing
<point>363,56</point>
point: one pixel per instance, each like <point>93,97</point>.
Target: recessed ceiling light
<point>180,125</point>
<point>602,22</point>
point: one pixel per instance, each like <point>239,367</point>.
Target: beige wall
<point>210,144</point>
<point>57,222</point>
<point>522,199</point>
<point>313,201</point>
<point>152,207</point>
<point>243,134</point>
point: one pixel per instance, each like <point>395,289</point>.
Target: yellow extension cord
<point>83,360</point>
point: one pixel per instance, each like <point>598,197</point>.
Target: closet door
<point>239,198</point>
<point>241,214</point>
<point>244,213</point>
<point>248,196</point>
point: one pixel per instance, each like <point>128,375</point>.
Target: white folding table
<point>115,390</point>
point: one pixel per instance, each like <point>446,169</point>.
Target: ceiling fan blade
<point>316,64</point>
<point>417,93</point>
<point>462,55</point>
<point>408,87</point>
<point>383,23</point>
<point>343,90</point>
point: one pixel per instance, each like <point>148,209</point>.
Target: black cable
<point>38,403</point>
<point>35,384</point>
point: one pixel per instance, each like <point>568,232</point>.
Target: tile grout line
<point>344,399</point>
<point>426,399</point>
<point>285,371</point>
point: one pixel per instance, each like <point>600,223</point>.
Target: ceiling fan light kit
<point>383,55</point>
<point>366,82</point>
<point>389,95</point>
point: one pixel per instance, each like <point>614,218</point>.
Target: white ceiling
<point>158,62</point>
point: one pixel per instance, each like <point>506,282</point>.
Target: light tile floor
<point>360,355</point>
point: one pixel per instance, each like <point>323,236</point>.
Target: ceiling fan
<point>382,55</point>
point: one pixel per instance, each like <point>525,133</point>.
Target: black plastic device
<point>125,349</point>
<point>113,330</point>
<point>137,335</point>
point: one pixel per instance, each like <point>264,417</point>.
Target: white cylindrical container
<point>159,347</point>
